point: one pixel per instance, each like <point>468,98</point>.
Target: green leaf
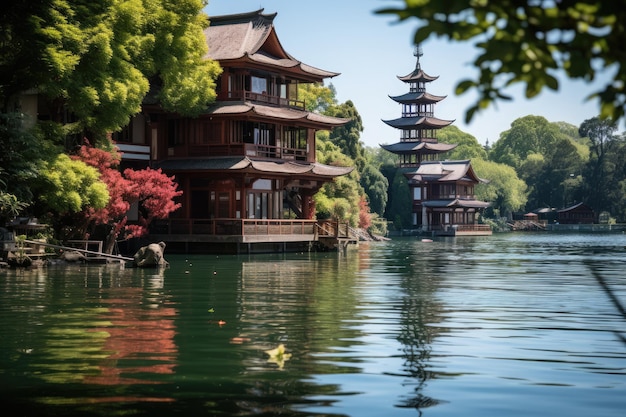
<point>463,86</point>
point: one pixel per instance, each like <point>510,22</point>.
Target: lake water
<point>507,325</point>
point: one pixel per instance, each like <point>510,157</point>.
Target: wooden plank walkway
<point>85,251</point>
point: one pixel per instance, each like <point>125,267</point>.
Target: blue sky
<point>371,50</point>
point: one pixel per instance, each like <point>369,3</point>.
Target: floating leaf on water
<point>278,356</point>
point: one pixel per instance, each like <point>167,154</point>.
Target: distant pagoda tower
<point>442,192</point>
<point>418,124</point>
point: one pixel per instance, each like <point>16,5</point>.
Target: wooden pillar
<point>308,205</point>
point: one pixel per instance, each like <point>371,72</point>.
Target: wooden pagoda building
<point>247,165</point>
<point>442,192</point>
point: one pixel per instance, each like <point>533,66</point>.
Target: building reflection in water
<point>120,331</point>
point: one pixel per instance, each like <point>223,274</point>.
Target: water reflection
<point>452,327</point>
<point>95,325</point>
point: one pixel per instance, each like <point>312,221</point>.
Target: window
<point>294,137</point>
<point>174,132</point>
<point>258,85</point>
<point>236,85</point>
<point>258,205</point>
<point>122,136</point>
<point>263,134</point>
<point>417,193</point>
<point>253,132</point>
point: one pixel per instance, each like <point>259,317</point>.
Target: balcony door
<point>211,199</point>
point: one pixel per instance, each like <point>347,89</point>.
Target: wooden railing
<point>240,227</point>
<point>473,227</point>
<point>248,149</point>
<point>251,227</point>
<point>330,228</point>
<point>261,98</point>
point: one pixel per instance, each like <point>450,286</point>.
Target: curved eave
<point>422,147</point>
<point>447,171</point>
<point>460,203</point>
<point>472,174</point>
<point>419,121</point>
<point>248,165</point>
<point>281,113</point>
<point>294,67</point>
<point>418,75</point>
<point>410,98</point>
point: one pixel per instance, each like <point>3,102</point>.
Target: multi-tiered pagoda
<point>442,191</point>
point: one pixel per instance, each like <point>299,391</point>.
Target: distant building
<point>442,191</point>
<point>577,214</point>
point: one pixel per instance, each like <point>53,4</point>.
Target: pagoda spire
<point>418,54</point>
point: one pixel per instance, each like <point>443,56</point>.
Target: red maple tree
<point>151,189</point>
<point>365,216</point>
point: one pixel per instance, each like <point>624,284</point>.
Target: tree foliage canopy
<point>70,186</point>
<point>529,43</point>
<point>348,136</point>
<point>99,58</point>
<point>505,190</point>
<point>529,134</point>
<point>467,145</point>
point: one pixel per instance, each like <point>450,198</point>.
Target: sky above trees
<point>370,51</point>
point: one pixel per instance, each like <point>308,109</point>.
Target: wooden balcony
<point>248,149</point>
<point>243,95</point>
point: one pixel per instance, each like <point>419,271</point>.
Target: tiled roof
<point>284,113</point>
<point>446,171</point>
<point>418,75</point>
<point>419,121</point>
<point>415,97</point>
<point>424,147</point>
<point>250,165</point>
<point>252,37</point>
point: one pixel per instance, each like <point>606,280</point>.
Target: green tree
<point>317,97</point>
<point>599,172</point>
<point>96,60</point>
<point>529,134</point>
<point>467,145</point>
<point>504,190</point>
<point>376,186</point>
<point>374,181</point>
<point>342,146</point>
<point>69,186</point>
<point>400,201</point>
<point>340,198</point>
<point>617,187</point>
<point>347,137</point>
<point>528,42</point>
<point>601,134</point>
<point>22,155</point>
<point>553,176</point>
<point>91,65</point>
<point>10,206</point>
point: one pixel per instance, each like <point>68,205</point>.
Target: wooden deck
<point>250,235</point>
